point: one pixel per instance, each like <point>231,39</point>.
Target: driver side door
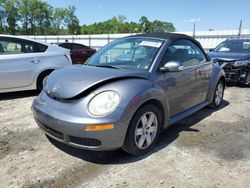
<point>184,88</point>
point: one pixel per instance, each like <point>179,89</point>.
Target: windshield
<point>232,46</point>
<point>127,53</point>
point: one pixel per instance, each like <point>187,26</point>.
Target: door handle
<point>35,60</point>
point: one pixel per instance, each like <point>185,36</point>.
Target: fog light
<point>99,127</point>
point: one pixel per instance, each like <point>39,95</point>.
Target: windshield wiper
<point>107,66</point>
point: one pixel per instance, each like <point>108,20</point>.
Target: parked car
<point>79,52</point>
<point>109,103</point>
<point>233,56</point>
<point>24,63</point>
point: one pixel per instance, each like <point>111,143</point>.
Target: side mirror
<point>211,49</point>
<point>172,66</point>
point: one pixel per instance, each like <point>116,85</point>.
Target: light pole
<point>194,28</point>
<point>240,27</point>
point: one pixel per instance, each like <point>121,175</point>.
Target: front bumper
<point>69,129</point>
<point>236,74</point>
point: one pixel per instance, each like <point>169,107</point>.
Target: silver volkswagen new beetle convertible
<point>129,92</point>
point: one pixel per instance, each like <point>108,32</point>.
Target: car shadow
<point>18,95</point>
<point>121,157</point>
<point>239,85</point>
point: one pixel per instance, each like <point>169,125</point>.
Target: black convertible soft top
<point>168,36</point>
<point>172,37</point>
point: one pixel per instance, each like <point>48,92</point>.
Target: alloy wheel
<point>146,130</point>
<point>219,94</point>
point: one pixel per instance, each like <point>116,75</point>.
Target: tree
<point>24,14</point>
<point>43,18</point>
<point>13,16</point>
<point>37,17</point>
<point>145,24</point>
<point>168,27</point>
<point>59,19</point>
<point>159,26</point>
<point>72,21</point>
<point>121,18</point>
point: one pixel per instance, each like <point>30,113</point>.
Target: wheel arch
<point>42,74</point>
<point>217,75</point>
<point>159,106</point>
<point>223,79</point>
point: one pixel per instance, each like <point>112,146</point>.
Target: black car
<point>233,55</point>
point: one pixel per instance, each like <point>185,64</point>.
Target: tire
<point>147,132</point>
<point>218,95</point>
<point>40,80</point>
<point>248,79</point>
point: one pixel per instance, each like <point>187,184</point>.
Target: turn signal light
<point>99,127</point>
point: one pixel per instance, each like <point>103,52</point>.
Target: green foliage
<point>36,17</point>
<point>72,21</point>
<point>113,25</point>
<point>118,25</point>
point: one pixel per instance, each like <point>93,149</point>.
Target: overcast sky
<point>208,14</point>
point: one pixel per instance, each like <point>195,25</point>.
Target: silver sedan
<point>24,63</point>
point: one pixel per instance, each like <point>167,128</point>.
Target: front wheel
<point>218,95</point>
<point>143,131</point>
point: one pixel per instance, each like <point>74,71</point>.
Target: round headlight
<point>104,103</point>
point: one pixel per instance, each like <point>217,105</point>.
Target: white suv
<point>24,63</point>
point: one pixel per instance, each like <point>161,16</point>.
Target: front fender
<point>135,92</point>
<point>217,74</point>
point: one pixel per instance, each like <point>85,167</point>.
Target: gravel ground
<point>209,149</point>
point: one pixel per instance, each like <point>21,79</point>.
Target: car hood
<point>71,81</point>
<point>220,56</point>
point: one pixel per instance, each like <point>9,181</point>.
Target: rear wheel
<point>143,130</point>
<point>218,95</point>
<point>41,78</point>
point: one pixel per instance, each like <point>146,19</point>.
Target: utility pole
<point>194,30</point>
<point>240,27</point>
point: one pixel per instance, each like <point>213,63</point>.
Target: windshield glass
<point>127,53</point>
<point>234,46</point>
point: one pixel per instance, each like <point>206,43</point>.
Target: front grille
<point>85,141</point>
<point>234,74</point>
<point>229,67</point>
<point>53,132</point>
<point>88,142</point>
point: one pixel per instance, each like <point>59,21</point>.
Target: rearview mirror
<point>172,66</point>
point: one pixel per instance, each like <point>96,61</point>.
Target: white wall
<point>208,39</point>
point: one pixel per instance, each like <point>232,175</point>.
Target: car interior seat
<point>23,49</point>
<point>180,55</point>
<point>28,49</point>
